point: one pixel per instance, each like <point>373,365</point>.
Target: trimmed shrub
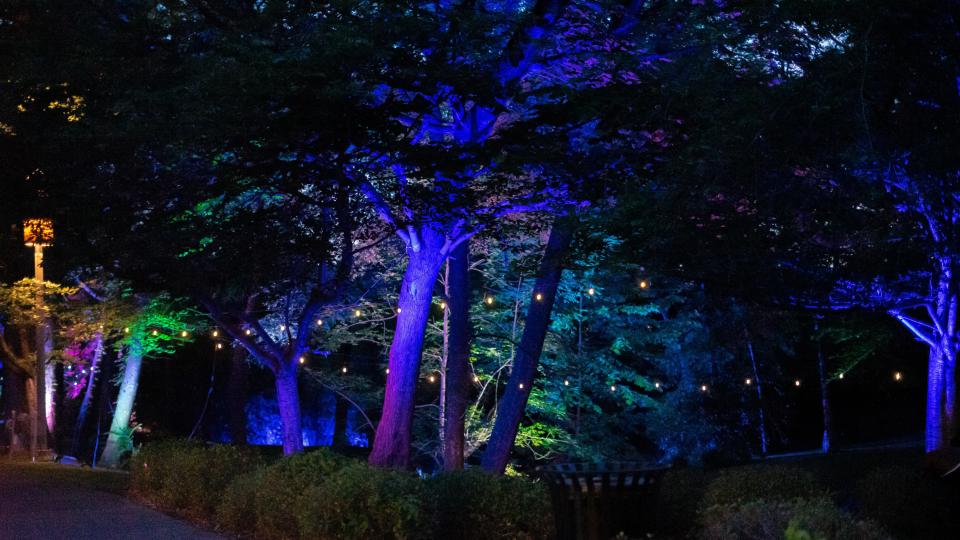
<point>237,511</point>
<point>799,519</point>
<point>910,502</point>
<point>283,487</point>
<point>189,477</point>
<point>359,502</point>
<point>769,483</point>
<point>475,505</point>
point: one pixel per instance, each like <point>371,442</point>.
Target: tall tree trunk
<point>87,395</point>
<point>764,439</point>
<point>941,366</point>
<point>457,355</point>
<point>237,395</point>
<point>514,402</point>
<point>391,445</point>
<point>118,440</point>
<point>30,385</point>
<point>288,401</point>
<point>826,442</point>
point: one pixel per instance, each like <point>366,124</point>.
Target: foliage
<point>237,510</point>
<point>475,505</point>
<point>909,501</point>
<point>187,476</point>
<point>770,483</point>
<point>358,502</point>
<point>797,519</point>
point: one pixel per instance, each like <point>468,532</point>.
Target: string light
<point>432,379</point>
<point>841,376</point>
<point>344,369</point>
<point>126,330</point>
<point>796,382</point>
<point>283,328</point>
<point>539,297</point>
<point>476,379</point>
<point>566,382</point>
<point>703,388</point>
<point>521,386</point>
<point>302,360</point>
<point>590,291</point>
<point>247,332</point>
<point>613,388</point>
<point>897,376</point>
<point>656,385</point>
<point>644,284</point>
<point>387,371</point>
<point>155,332</point>
<point>184,333</point>
<point>398,311</point>
<point>216,333</point>
<point>356,313</point>
<point>489,300</point>
<point>748,382</point>
<point>219,346</point>
<point>443,305</point>
<point>319,322</point>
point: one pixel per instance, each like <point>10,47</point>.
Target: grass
<point>54,474</point>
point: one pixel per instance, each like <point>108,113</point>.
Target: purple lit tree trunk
<point>118,440</point>
<point>288,400</point>
<point>457,356</point>
<point>391,447</point>
<point>87,394</point>
<point>511,407</point>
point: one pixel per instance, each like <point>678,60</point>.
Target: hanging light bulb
<point>155,332</point>
<point>590,291</point>
<point>356,313</point>
<point>302,360</point>
<point>398,311</point>
<point>656,385</point>
<point>431,378</point>
<point>841,376</point>
<point>897,376</point>
<point>247,332</point>
<point>126,330</point>
<point>283,328</point>
<point>344,369</point>
<point>219,346</point>
<point>319,322</point>
<point>796,382</point>
<point>748,382</point>
<point>184,333</point>
<point>521,386</point>
<point>443,305</point>
<point>566,382</point>
<point>216,333</point>
<point>644,284</point>
<point>387,371</point>
<point>489,300</point>
<point>613,388</point>
<point>539,297</point>
<point>703,388</point>
<point>476,379</point>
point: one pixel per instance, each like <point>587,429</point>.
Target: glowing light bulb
<point>644,284</point>
<point>539,297</point>
<point>476,379</point>
<point>155,332</point>
<point>796,382</point>
<point>748,382</point>
<point>126,330</point>
<point>356,313</point>
<point>703,388</point>
<point>302,360</point>
<point>897,376</point>
<point>656,385</point>
<point>283,328</point>
<point>841,376</point>
<point>219,346</point>
<point>443,305</point>
<point>590,291</point>
<point>216,333</point>
<point>489,300</point>
<point>613,388</point>
<point>566,382</point>
<point>387,371</point>
<point>398,311</point>
<point>521,386</point>
<point>184,333</point>
<point>344,369</point>
<point>247,332</point>
<point>431,378</point>
<point>319,322</point>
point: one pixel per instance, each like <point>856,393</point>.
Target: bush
<point>358,502</point>
<point>910,502</point>
<point>237,511</point>
<point>799,519</point>
<point>475,505</point>
<point>188,477</point>
<point>766,482</point>
<point>283,487</point>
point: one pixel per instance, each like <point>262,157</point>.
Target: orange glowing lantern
<point>38,232</point>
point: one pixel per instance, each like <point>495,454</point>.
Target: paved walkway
<point>50,503</point>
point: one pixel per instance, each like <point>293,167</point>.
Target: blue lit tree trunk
<point>118,440</point>
<point>427,251</point>
<point>510,409</point>
<point>457,375</point>
<point>288,401</point>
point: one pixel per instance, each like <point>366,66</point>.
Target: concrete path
<point>35,504</point>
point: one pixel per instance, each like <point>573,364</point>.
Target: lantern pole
<point>38,262</point>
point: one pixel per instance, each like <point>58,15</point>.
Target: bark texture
<point>458,356</point>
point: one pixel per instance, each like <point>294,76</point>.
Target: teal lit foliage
<point>158,326</point>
